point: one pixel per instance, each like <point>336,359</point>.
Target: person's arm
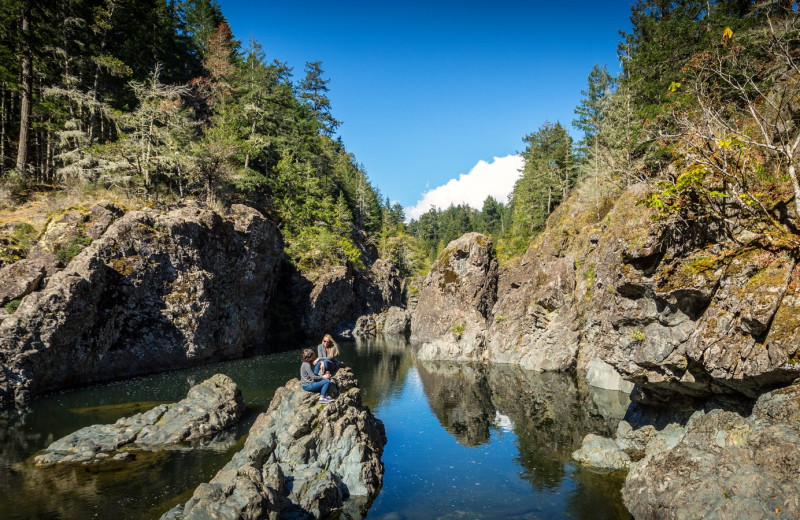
<point>307,372</point>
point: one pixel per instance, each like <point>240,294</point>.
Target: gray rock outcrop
<point>156,291</point>
<point>602,453</point>
<point>392,321</point>
<point>67,234</point>
<point>208,409</point>
<point>458,293</point>
<point>300,460</point>
<point>330,300</point>
<point>725,466</point>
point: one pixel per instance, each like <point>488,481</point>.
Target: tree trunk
<point>3,120</point>
<point>796,189</point>
<point>27,90</point>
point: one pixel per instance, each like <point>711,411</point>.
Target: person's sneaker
<point>325,400</point>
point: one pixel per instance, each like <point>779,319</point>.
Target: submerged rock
<point>602,453</point>
<point>301,460</point>
<point>209,408</point>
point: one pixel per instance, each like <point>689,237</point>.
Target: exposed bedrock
<point>684,313</point>
<point>210,407</point>
<point>155,291</point>
<point>724,465</point>
<point>459,290</point>
<point>301,460</point>
<point>331,300</point>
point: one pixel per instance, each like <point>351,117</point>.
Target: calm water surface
<point>464,441</point>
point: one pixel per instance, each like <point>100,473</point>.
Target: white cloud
<point>496,178</point>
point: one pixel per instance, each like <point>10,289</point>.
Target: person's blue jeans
<point>318,386</point>
<point>328,366</point>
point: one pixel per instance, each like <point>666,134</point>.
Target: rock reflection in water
<point>547,411</point>
<point>459,395</point>
<point>382,366</point>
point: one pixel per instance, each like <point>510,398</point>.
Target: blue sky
<point>426,90</point>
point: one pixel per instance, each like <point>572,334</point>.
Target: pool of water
<point>465,441</point>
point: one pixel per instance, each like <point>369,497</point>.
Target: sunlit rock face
<point>459,291</point>
<point>685,313</point>
<point>300,460</point>
<point>725,465</point>
<point>155,291</point>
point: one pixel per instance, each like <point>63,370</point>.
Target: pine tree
<point>313,92</point>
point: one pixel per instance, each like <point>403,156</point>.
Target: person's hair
<point>334,346</point>
<point>308,355</point>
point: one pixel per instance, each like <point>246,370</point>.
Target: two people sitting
<point>316,371</point>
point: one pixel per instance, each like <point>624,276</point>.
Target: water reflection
<point>459,395</point>
<point>549,416</point>
<point>466,441</point>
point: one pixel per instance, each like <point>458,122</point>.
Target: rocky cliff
<point>155,290</point>
<point>682,312</point>
<point>703,317</point>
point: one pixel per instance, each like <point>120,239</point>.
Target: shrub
<point>69,251</point>
<point>458,328</point>
<point>12,306</point>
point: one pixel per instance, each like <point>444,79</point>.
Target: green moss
<point>16,246</point>
<point>636,336</point>
<point>70,250</point>
<point>457,329</point>
<point>499,318</point>
<point>449,277</point>
<point>413,289</point>
<point>12,306</point>
<point>124,265</point>
<point>701,264</point>
<point>589,275</point>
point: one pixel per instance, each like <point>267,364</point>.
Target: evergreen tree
<point>547,176</point>
<point>313,91</point>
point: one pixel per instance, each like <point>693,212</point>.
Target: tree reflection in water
<point>549,413</point>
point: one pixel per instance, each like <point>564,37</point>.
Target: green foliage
<point>21,239</point>
<point>315,247</point>
<point>70,250</point>
<point>12,306</point>
<point>547,178</point>
<point>636,336</point>
<point>458,328</point>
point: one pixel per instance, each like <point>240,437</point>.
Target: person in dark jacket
<point>312,382</point>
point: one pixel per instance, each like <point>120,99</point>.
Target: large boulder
<point>210,407</point>
<point>725,466</point>
<point>301,460</point>
<point>331,300</point>
<point>699,317</point>
<point>156,291</point>
<point>460,286</point>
